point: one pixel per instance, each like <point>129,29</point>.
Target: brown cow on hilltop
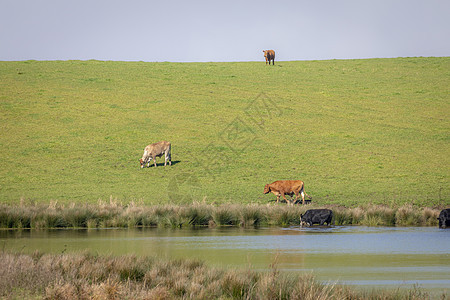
<point>156,150</point>
<point>270,56</point>
<point>287,187</point>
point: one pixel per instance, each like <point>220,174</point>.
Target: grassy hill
<point>356,131</point>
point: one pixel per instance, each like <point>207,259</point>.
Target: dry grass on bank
<point>87,276</point>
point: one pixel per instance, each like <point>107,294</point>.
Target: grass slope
<point>356,131</point>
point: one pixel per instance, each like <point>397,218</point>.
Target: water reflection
<point>362,256</point>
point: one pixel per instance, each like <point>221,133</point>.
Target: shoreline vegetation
<point>116,214</point>
<point>91,276</point>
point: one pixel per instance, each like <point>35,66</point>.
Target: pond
<point>354,255</point>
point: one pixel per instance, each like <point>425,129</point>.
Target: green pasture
<point>355,131</point>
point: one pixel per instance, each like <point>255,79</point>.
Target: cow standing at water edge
<point>155,150</point>
<point>444,218</point>
<point>270,56</point>
<point>317,216</point>
<point>281,188</point>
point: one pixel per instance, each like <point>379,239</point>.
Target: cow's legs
<point>303,198</point>
<point>292,199</point>
<point>167,158</point>
<point>296,197</point>
<point>284,197</point>
<point>278,198</point>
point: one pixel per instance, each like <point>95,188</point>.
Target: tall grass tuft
<point>285,215</point>
<point>429,216</point>
<point>226,215</point>
<point>253,215</point>
<point>343,216</point>
<point>407,215</point>
<point>378,216</point>
<point>198,215</point>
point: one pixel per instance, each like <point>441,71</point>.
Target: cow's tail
<point>169,154</point>
<point>303,191</point>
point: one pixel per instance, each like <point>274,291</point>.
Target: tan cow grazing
<point>270,56</point>
<point>287,187</point>
<point>155,150</point>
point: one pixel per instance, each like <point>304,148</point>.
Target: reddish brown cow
<point>270,56</point>
<point>287,187</point>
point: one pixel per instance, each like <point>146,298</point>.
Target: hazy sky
<point>232,30</point>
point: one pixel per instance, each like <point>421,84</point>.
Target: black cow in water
<point>444,218</point>
<point>317,216</point>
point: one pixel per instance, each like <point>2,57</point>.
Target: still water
<point>354,255</point>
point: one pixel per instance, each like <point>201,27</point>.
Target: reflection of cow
<point>287,187</point>
<point>155,150</point>
<point>317,216</point>
<point>444,218</point>
<point>270,56</point>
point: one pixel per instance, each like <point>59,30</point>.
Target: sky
<point>232,30</point>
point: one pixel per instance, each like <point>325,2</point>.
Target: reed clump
<point>131,215</point>
<point>88,276</point>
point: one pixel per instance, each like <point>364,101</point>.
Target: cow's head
<point>303,222</point>
<point>266,189</point>
<point>265,53</point>
<point>142,162</point>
